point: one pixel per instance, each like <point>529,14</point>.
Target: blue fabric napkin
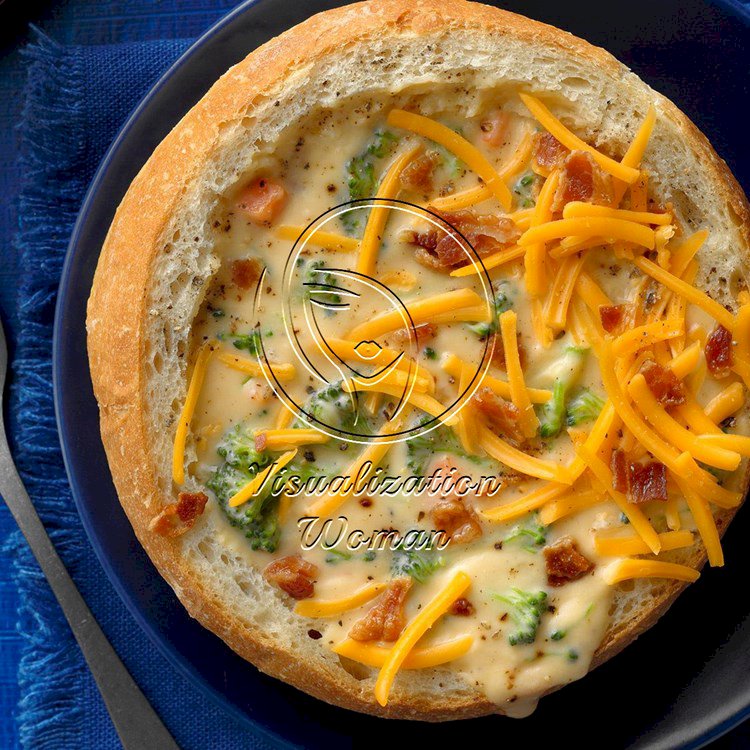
<point>75,100</point>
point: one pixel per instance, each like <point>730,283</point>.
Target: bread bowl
<point>131,302</point>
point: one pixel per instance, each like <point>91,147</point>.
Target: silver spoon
<point>136,722</point>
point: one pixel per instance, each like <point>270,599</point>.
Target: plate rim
<point>737,9</point>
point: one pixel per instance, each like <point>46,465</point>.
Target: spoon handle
<point>136,722</point>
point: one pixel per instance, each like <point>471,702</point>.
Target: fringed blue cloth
<point>75,100</point>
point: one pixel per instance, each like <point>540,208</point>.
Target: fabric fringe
<point>51,146</point>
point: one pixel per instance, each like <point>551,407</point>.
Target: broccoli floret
<point>383,143</point>
<point>420,564</point>
<point>360,170</point>
<point>553,411</point>
<point>334,556</point>
<point>422,447</point>
<point>530,532</point>
<point>361,182</point>
<point>526,610</point>
<point>452,164</point>
<point>237,448</point>
<point>299,474</point>
<point>584,407</point>
<point>523,190</point>
<point>249,342</point>
<point>501,303</point>
<point>569,368</point>
<point>333,407</point>
<point>257,518</point>
<point>318,281</point>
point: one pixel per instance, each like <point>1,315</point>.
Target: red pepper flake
<point>719,354</point>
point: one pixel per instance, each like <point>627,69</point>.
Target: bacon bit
<point>664,384</point>
<point>386,620</point>
<point>565,563</point>
<point>424,332</point>
<point>417,175</point>
<point>486,234</point>
<point>620,470</point>
<point>262,200</point>
<point>642,483</point>
<point>179,517</point>
<point>451,516</point>
<point>611,316</point>
<point>246,272</point>
<point>261,440</point>
<point>582,180</point>
<point>462,608</point>
<point>494,127</point>
<point>548,151</point>
<point>293,575</point>
<point>501,414</point>
<point>719,354</point>
<point>648,482</point>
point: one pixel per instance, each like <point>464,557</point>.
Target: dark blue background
<point>88,22</point>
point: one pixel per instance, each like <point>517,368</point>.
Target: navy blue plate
<point>680,685</point>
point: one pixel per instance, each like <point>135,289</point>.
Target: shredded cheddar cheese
<point>472,196</point>
<point>567,138</point>
<point>421,311</point>
<point>257,482</point>
<point>285,439</point>
<point>388,189</point>
<point>186,416</point>
<point>578,210</point>
<point>453,366</point>
<point>326,240</point>
<point>505,453</point>
<point>426,618</point>
<point>690,293</point>
<point>590,226</point>
<point>418,658</point>
<point>624,570</point>
<point>284,373</point>
<point>526,416</point>
<point>458,146</point>
<point>616,546</point>
<point>333,607</point>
